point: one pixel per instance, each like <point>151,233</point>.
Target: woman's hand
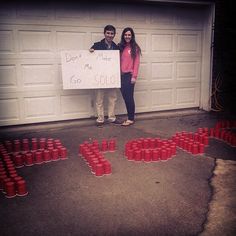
<point>133,80</point>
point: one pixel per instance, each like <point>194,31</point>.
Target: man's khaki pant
<point>111,95</point>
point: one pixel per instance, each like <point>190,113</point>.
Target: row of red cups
<point>193,143</point>
<point>39,156</point>
<point>92,153</point>
<point>11,184</point>
<point>226,135</point>
<point>150,149</point>
<point>225,124</point>
<point>106,145</point>
<point>26,144</point>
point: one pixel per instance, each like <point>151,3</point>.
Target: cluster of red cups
<point>92,153</point>
<point>224,130</point>
<point>11,184</point>
<point>193,143</point>
<point>26,152</point>
<point>150,149</point>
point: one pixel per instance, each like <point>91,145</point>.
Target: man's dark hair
<point>110,28</point>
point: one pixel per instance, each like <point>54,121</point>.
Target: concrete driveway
<point>185,195</point>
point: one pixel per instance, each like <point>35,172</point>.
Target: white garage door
<point>172,38</point>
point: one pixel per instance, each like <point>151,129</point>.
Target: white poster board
<point>90,70</point>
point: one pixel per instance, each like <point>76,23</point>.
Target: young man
<point>111,93</point>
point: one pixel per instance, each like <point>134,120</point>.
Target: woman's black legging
<point>127,91</point>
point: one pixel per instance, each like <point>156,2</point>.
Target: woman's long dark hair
<point>134,46</point>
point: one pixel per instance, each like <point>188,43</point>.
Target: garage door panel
<point>187,97</point>
<point>7,41</point>
<point>9,110</point>
<point>162,71</point>
<point>35,41</point>
<point>39,76</point>
<point>188,70</point>
<point>70,40</point>
<point>8,77</point>
<point>162,98</point>
<point>162,42</point>
<point>188,42</point>
<point>41,106</point>
<point>75,105</point>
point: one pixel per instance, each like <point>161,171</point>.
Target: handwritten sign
<point>90,70</point>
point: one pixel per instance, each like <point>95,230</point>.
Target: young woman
<point>130,60</point>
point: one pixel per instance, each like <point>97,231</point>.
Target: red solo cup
<point>196,137</point>
<point>205,130</point>
<point>46,156</point>
<point>9,146</point>
<point>130,155</point>
<point>201,138</point>
<point>112,145</point>
<point>34,144</point>
<point>87,154</point>
<point>38,157</point>
<point>107,168</point>
<point>127,147</point>
<point>19,161</point>
<point>29,161</point>
<point>168,153</point>
<point>21,188</point>
<point>181,143</point>
<point>173,150</point>
<point>195,149</point>
<point>163,155</point>
<point>93,165</point>
<point>10,189</point>
<point>185,144</point>
<point>201,148</point>
<point>42,143</point>
<point>147,156</point>
<point>152,143</point>
<point>104,146</point>
<point>145,143</point>
<point>5,181</point>
<point>63,153</point>
<point>90,158</point>
<point>95,143</point>
<point>137,155</point>
<point>15,179</point>
<point>17,145</point>
<point>55,155</point>
<point>155,155</point>
<point>99,170</point>
<point>25,145</point>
